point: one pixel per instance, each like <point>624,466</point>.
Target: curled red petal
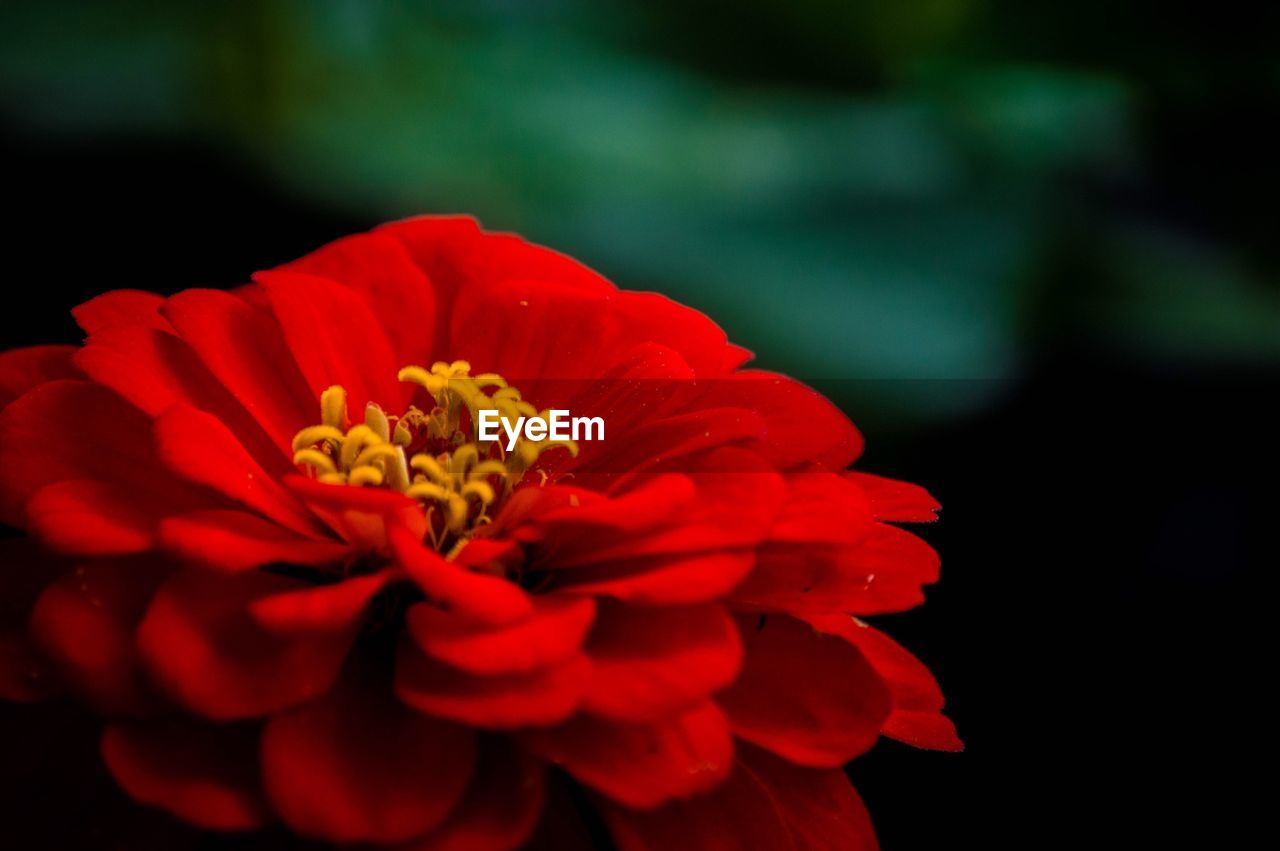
<point>885,571</point>
<point>243,347</point>
<point>77,430</point>
<point>650,664</point>
<point>204,647</point>
<point>649,504</point>
<point>917,717</point>
<point>895,501</point>
<point>642,765</point>
<point>236,540</point>
<point>321,608</point>
<point>821,507</point>
<point>361,516</point>
<point>206,775</point>
<point>811,698</point>
<point>198,447</point>
<point>355,766</point>
<point>553,632</point>
<point>478,596</point>
<point>155,370</point>
<point>737,499</point>
<point>547,695</point>
<point>660,580</point>
<point>735,356</point>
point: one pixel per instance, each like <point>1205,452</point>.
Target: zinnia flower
<point>265,543</point>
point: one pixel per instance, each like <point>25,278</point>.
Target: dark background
<point>1031,250</point>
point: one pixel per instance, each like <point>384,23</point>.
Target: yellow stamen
<point>312,435</point>
<point>365,476</point>
<point>315,459</point>
<point>377,421</point>
<point>453,473</point>
<point>333,406</point>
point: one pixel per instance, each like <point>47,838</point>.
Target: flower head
<point>269,543</point>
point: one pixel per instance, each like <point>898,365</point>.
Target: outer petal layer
<point>810,698</point>
<point>357,767</point>
<point>638,765</point>
<point>205,775</point>
<point>204,647</point>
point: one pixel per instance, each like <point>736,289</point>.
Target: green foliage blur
<point>938,190</point>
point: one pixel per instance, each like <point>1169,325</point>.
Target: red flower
<point>301,590</point>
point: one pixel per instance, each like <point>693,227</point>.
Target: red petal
<point>642,766</point>
<point>361,516</point>
<point>201,449</point>
<point>649,377</point>
<point>917,717</point>
<point>801,425</point>
<point>810,698</point>
<point>501,806</point>
<point>478,596</point>
<point>357,767</point>
<point>243,347</point>
<point>85,623</point>
<point>204,647</point>
<point>553,632</point>
<point>335,339</point>
<point>638,510</point>
<point>379,268</point>
<point>204,775</point>
<point>77,430</point>
<point>120,307</point>
<point>821,808</point>
<point>895,501</point>
<point>649,664</point>
<point>738,497</point>
<point>660,580</point>
<point>236,540</point>
<point>739,815</point>
<point>652,317</point>
<point>672,442</point>
<point>538,333</point>
<point>323,608</point>
<point>79,517</point>
<point>23,369</point>
<point>457,256</point>
<point>528,330</point>
<point>734,357</point>
<point>154,370</point>
<point>822,507</point>
<point>544,696</point>
<point>884,572</point>
<point>898,564</point>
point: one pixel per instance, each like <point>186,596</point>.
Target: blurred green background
<point>947,189</point>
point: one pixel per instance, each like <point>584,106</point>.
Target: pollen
<point>435,456</point>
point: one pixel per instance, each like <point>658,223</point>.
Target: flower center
<point>435,457</point>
